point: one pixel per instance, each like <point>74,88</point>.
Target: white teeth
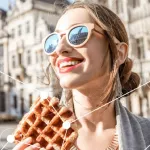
<point>63,64</point>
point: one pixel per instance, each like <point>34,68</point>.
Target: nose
<point>63,46</point>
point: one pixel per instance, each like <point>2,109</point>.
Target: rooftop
<point>57,2</point>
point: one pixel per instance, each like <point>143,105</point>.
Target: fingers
<point>23,144</point>
<point>42,148</point>
<point>33,147</point>
<point>26,145</point>
<point>49,147</point>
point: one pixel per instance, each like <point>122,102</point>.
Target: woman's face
<point>93,54</point>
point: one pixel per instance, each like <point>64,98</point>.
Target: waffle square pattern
<point>44,123</point>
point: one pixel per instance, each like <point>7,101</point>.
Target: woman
<point>89,54</point>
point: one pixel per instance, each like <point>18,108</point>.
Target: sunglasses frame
<point>90,26</point>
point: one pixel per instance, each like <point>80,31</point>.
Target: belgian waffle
<point>44,123</point>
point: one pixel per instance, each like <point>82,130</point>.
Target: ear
<point>122,53</point>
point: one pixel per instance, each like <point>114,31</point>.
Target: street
<point>5,130</point>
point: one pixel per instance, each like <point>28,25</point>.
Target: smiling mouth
<point>64,68</point>
<point>70,64</point>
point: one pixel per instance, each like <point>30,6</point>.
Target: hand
<point>26,145</point>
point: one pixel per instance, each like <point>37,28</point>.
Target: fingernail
<point>37,145</point>
<point>42,148</point>
<point>49,146</point>
<point>29,139</point>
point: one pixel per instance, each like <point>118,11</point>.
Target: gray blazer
<point>133,131</point>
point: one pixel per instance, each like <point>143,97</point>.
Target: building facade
<point>23,61</point>
<point>26,24</point>
<point>2,44</point>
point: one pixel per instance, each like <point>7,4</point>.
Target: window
<point>119,6</point>
<point>20,58</point>
<point>13,33</point>
<point>51,28</point>
<point>2,102</point>
<point>15,101</point>
<point>1,80</point>
<point>29,57</point>
<point>37,58</point>
<point>1,50</point>
<point>29,79</point>
<point>41,36</point>
<point>1,66</point>
<point>13,61</point>
<point>140,48</point>
<point>30,100</point>
<point>1,75</point>
<point>19,30</point>
<point>22,1</point>
<point>136,3</point>
<point>12,81</point>
<point>28,27</point>
<point>149,44</point>
<point>22,106</point>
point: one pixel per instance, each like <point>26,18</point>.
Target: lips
<point>67,59</point>
<point>69,68</point>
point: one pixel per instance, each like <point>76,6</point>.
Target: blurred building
<point>3,37</point>
<point>21,55</point>
<point>139,34</point>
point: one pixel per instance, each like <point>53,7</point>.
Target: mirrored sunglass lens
<point>78,35</point>
<point>51,43</point>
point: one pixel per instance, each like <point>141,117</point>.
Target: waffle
<point>44,125</point>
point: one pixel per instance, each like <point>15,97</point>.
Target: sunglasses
<point>76,36</point>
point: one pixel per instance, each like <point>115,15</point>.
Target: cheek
<point>98,56</point>
<point>52,64</point>
<point>96,53</point>
<point>97,45</point>
<point>52,61</point>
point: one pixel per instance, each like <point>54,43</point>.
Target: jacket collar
<point>130,135</point>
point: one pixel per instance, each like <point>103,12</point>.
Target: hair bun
<point>132,83</point>
<point>129,80</point>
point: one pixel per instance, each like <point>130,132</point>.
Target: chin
<point>70,84</point>
<point>67,85</point>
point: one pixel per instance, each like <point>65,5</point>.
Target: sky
<point>4,3</point>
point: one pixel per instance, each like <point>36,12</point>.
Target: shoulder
<point>132,117</point>
<point>141,120</point>
<point>144,124</point>
<point>134,128</point>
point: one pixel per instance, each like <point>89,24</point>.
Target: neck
<point>91,111</point>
